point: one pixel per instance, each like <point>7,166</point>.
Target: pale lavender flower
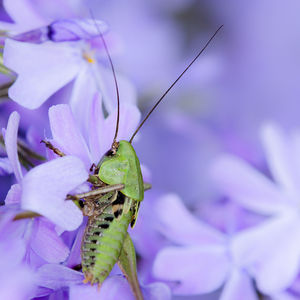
<point>58,277</point>
<point>70,137</point>
<point>37,191</point>
<point>63,31</point>
<point>30,14</point>
<point>202,259</point>
<point>16,279</point>
<point>66,53</point>
<point>147,240</point>
<point>284,296</point>
<point>44,188</point>
<point>273,246</point>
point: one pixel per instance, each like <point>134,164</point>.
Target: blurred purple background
<point>247,76</point>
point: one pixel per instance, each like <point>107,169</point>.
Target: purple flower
<point>14,273</point>
<point>66,53</point>
<point>146,238</point>
<point>43,243</point>
<point>57,277</point>
<point>72,139</point>
<point>63,31</point>
<point>202,259</point>
<point>44,188</point>
<point>275,258</point>
<point>30,14</point>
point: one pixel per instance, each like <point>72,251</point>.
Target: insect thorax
<point>123,166</point>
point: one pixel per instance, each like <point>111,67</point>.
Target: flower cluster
<point>230,227</point>
<point>40,226</point>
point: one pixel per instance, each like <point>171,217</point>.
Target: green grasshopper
<point>119,169</point>
<point>106,230</point>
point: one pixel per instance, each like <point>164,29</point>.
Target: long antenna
<point>168,90</point>
<point>114,75</point>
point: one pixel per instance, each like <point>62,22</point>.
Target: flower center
<point>89,57</point>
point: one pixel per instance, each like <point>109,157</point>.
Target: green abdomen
<point>102,243</point>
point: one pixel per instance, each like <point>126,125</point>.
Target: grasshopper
<point>120,168</point>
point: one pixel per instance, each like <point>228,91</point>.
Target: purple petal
<point>102,131</point>
<point>76,29</point>
<point>80,291</point>
<point>14,195</point>
<point>130,117</point>
<point>179,225</point>
<point>281,267</point>
<point>47,244</point>
<point>282,161</point>
<point>5,166</point>
<point>275,259</point>
<point>10,27</point>
<point>10,139</point>
<point>157,291</point>
<point>285,296</point>
<point>195,270</point>
<point>84,90</point>
<point>45,188</point>
<point>42,70</point>
<point>247,186</point>
<point>66,134</point>
<point>12,246</point>
<point>37,36</point>
<point>74,257</point>
<point>264,236</point>
<point>239,286</point>
<point>96,129</point>
<point>63,31</point>
<point>16,283</point>
<point>115,286</point>
<point>104,77</point>
<point>54,276</point>
<point>23,13</point>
